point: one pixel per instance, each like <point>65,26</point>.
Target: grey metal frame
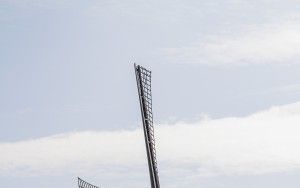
<point>143,79</point>
<point>84,184</point>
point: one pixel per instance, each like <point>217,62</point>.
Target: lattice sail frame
<point>84,184</point>
<point>143,78</point>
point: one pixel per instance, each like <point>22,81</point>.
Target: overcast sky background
<point>225,92</point>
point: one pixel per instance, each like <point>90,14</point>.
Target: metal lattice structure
<point>143,79</point>
<point>84,184</point>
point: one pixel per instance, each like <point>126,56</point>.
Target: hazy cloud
<point>263,142</point>
<point>260,44</point>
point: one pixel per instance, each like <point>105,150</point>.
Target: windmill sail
<point>84,184</point>
<point>143,79</point>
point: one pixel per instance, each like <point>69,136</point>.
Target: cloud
<point>264,142</point>
<point>260,44</point>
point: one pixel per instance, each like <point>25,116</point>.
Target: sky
<point>225,85</point>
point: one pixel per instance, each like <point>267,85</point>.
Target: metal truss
<point>84,184</point>
<point>143,78</point>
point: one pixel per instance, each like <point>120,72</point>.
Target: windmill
<point>143,80</point>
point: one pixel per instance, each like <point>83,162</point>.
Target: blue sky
<point>225,92</point>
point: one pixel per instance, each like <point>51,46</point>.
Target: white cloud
<point>264,142</point>
<point>262,44</point>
